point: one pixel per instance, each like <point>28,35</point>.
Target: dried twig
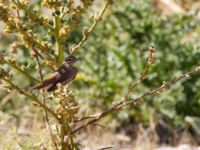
<point>87,32</point>
<point>32,97</point>
<point>37,53</point>
<point>44,101</point>
<point>138,82</point>
<point>104,148</point>
<point>10,63</point>
<point>127,101</point>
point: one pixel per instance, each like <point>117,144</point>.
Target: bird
<point>63,75</point>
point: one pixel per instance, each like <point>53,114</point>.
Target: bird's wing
<point>50,80</point>
<point>69,75</point>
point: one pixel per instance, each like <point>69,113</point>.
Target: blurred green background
<point>114,57</point>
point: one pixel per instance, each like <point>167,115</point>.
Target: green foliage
<point>115,56</point>
<point>38,47</point>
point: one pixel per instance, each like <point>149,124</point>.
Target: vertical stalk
<point>59,47</point>
<point>65,145</point>
<point>44,101</point>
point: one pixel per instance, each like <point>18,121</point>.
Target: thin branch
<point>37,53</point>
<point>90,30</point>
<point>150,62</point>
<point>22,71</point>
<point>32,97</point>
<point>135,101</point>
<point>104,148</point>
<point>7,98</point>
<point>44,101</point>
<point>158,90</point>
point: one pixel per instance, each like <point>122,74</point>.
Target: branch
<point>44,101</point>
<point>22,71</point>
<point>32,98</point>
<point>150,62</point>
<point>126,101</point>
<point>87,32</point>
<point>60,50</point>
<point>165,85</point>
<point>37,53</point>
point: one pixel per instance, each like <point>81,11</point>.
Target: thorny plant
<point>20,19</point>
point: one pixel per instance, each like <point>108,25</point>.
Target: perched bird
<point>64,74</point>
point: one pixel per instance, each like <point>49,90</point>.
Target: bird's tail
<point>41,85</point>
<point>45,83</point>
<point>38,86</point>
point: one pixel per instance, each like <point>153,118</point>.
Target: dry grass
<point>30,133</point>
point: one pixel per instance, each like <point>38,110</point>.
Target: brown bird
<point>64,74</point>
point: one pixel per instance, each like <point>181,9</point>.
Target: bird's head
<point>71,60</point>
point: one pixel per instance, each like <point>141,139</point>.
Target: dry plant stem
<point>90,30</point>
<point>135,101</point>
<point>104,148</point>
<point>22,71</point>
<point>7,98</point>
<point>44,101</point>
<point>37,53</point>
<point>64,133</point>
<point>33,98</point>
<point>160,89</point>
<point>144,74</point>
<point>138,82</point>
<point>127,94</point>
